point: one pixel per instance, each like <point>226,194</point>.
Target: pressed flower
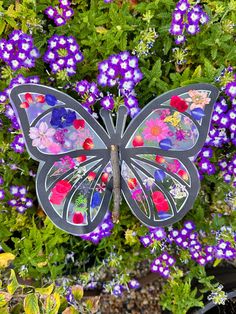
<point>41,135</point>
<point>62,118</point>
<point>197,99</point>
<point>155,130</point>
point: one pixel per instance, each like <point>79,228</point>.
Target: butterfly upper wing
<point>73,156</point>
<point>160,182</point>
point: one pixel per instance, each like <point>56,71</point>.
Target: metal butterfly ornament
<point>81,165</point>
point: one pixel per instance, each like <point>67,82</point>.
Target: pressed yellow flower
<point>173,119</point>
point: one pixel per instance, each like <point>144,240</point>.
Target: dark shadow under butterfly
<point>152,157</point>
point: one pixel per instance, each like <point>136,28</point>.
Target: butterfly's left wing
<point>73,183</point>
<point>159,179</point>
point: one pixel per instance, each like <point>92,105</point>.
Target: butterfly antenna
<point>116,182</point>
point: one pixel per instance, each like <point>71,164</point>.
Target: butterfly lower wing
<point>160,190</point>
<point>74,194</point>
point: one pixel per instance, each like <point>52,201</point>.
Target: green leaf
<point>31,304</point>
<point>11,288</point>
<point>156,70</point>
<point>45,291</point>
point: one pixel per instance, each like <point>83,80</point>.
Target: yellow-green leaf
<point>45,291</point>
<point>217,262</point>
<point>5,259</point>
<point>70,310</point>
<point>77,292</point>
<point>101,30</point>
<point>52,303</point>
<point>4,298</point>
<point>197,72</point>
<point>31,304</point>
<point>11,288</point>
<point>2,26</point>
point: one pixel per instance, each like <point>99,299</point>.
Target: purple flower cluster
<point>187,18</point>
<point>63,53</point>
<point>20,202</point>
<point>162,264</point>
<point>19,51</point>
<point>18,144</point>
<point>103,230</point>
<point>157,234</point>
<point>205,166</point>
<point>224,250</point>
<point>88,92</point>
<point>228,166</point>
<point>222,131</point>
<point>121,70</point>
<point>60,15</point>
<point>186,238</point>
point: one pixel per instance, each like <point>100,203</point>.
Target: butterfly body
<point>82,164</point>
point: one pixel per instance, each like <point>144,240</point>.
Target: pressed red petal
<point>105,177</point>
<point>24,105</point>
<point>40,99</point>
<point>88,144</point>
<point>78,218</point>
<point>81,158</point>
<point>79,124</point>
<point>91,176</point>
<point>160,159</point>
<point>28,98</point>
<point>138,141</point>
<point>132,183</point>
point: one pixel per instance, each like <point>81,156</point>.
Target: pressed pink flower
<point>155,130</point>
<point>41,135</point>
<point>137,195</point>
<point>54,148</point>
<point>198,99</point>
<point>174,166</point>
<point>164,113</point>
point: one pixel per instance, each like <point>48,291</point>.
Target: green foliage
<point>39,252</point>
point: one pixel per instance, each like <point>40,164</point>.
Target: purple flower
<point>134,284</point>
<point>19,51</point>
<point>192,29</point>
<point>146,240</point>
<point>182,6</point>
<point>230,89</point>
<point>176,29</point>
<point>158,233</point>
<point>63,54</point>
<point>117,290</point>
<point>2,194</point>
<point>60,14</point>
<point>107,102</point>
